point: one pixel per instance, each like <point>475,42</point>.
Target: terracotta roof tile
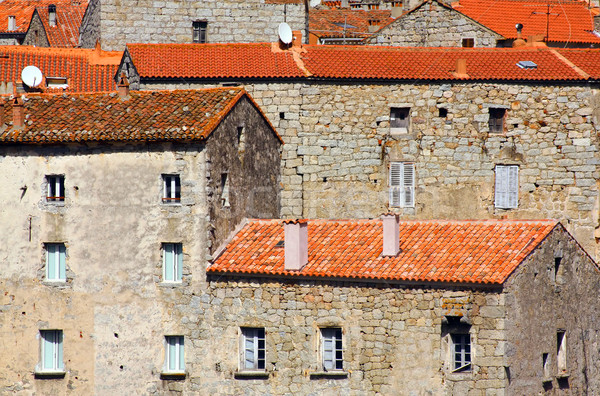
<point>568,21</point>
<point>22,10</point>
<point>329,23</point>
<point>255,61</point>
<point>86,70</point>
<point>145,116</point>
<point>587,60</point>
<point>431,251</point>
<point>68,20</point>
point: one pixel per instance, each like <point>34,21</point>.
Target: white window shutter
<point>501,187</point>
<point>513,187</point>
<point>62,262</point>
<point>395,183</point>
<point>409,185</point>
<point>59,351</point>
<point>51,261</point>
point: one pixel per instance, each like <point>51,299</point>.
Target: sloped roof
<point>68,20</point>
<point>326,23</point>
<point>587,60</point>
<point>255,61</point>
<point>480,252</point>
<point>86,70</point>
<point>567,21</point>
<point>145,116</point>
<point>22,10</point>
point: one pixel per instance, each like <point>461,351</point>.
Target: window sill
<point>50,374</point>
<point>562,376</point>
<point>55,282</point>
<point>329,374</point>
<point>171,203</point>
<point>173,375</point>
<point>251,375</point>
<point>171,284</point>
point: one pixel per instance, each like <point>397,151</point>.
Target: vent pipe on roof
<point>12,23</point>
<point>123,86</point>
<point>391,234</point>
<point>18,112</point>
<point>296,244</point>
<point>52,15</point>
<point>519,42</point>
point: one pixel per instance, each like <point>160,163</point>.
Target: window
<point>225,190</point>
<point>199,31</point>
<point>331,348</point>
<point>55,262</point>
<point>399,120</point>
<point>468,42</point>
<point>171,189</point>
<point>461,352</point>
<point>561,351</point>
<point>496,121</point>
<point>402,184</point>
<point>56,188</point>
<point>174,356</point>
<point>253,349</point>
<point>51,351</point>
<point>241,134</point>
<point>172,262</point>
<point>442,112</point>
<point>373,6</point>
<point>507,186</point>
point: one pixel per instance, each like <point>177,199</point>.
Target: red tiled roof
<point>86,70</point>
<point>326,23</point>
<point>68,20</point>
<point>22,10</point>
<point>146,116</point>
<point>587,60</point>
<point>431,251</point>
<point>568,21</point>
<point>253,60</point>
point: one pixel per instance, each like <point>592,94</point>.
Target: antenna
<point>32,76</point>
<point>285,33</point>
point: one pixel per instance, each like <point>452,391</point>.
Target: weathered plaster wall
<point>338,147</point>
<point>252,164</point>
<point>149,21</point>
<point>538,304</point>
<point>433,25</point>
<point>113,310</point>
<point>36,34</point>
<point>392,336</point>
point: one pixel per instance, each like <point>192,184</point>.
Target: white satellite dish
<point>32,76</point>
<point>285,33</point>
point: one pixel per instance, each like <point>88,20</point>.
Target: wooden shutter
<point>395,183</point>
<point>249,349</point>
<point>62,262</point>
<point>59,350</point>
<point>501,187</point>
<point>168,262</point>
<point>408,185</point>
<point>51,261</point>
<point>402,184</point>
<point>179,256</point>
<point>328,350</point>
<point>513,187</point>
<point>181,355</point>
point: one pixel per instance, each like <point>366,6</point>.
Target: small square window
<point>496,122</point>
<point>172,262</point>
<point>331,349</point>
<point>174,355</point>
<point>199,31</point>
<point>506,192</point>
<point>461,352</point>
<point>442,112</point>
<point>56,262</point>
<point>171,189</point>
<point>253,349</point>
<point>51,347</point>
<point>468,42</point>
<point>399,120</point>
<point>56,188</point>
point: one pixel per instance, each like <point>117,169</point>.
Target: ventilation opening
<point>442,112</point>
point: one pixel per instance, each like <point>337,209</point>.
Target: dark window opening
<point>199,31</point>
<point>443,113</point>
<point>496,122</point>
<point>468,42</point>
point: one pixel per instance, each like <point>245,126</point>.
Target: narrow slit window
<point>225,190</point>
<point>561,351</point>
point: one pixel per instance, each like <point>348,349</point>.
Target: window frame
<point>174,344</point>
<point>496,119</point>
<point>400,126</point>
<point>467,39</point>
<point>51,346</point>
<point>461,346</point>
<point>171,191</point>
<point>333,336</point>
<point>506,186</point>
<point>199,32</point>
<point>53,251</point>
<point>258,357</point>
<point>401,183</point>
<point>175,249</point>
<point>55,184</point>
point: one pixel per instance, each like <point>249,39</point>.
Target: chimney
<point>461,68</point>
<point>373,25</point>
<point>296,244</point>
<point>18,112</point>
<point>297,40</point>
<point>391,234</point>
<point>12,23</point>
<point>397,9</point>
<point>519,42</point>
<point>52,15</point>
<point>123,86</point>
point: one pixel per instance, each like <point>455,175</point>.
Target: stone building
<point>116,23</point>
<point>111,205</point>
<point>55,26</point>
<point>410,308</point>
<point>468,133</point>
<point>433,23</point>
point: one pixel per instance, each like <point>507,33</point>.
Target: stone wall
<point>89,31</point>
<point>338,147</point>
<point>433,25</point>
<point>543,299</point>
<point>36,34</point>
<point>150,21</point>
